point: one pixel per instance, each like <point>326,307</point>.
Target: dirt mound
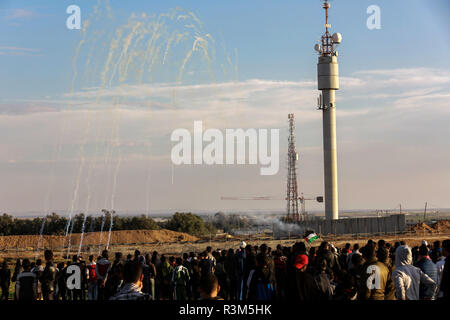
<point>441,225</point>
<point>96,238</point>
<point>422,226</point>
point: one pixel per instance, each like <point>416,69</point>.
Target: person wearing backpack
<point>26,283</point>
<point>180,280</point>
<point>187,262</point>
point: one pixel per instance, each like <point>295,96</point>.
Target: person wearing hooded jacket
<point>408,278</point>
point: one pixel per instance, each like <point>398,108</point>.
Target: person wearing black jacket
<point>304,279</point>
<point>114,279</point>
<point>61,292</point>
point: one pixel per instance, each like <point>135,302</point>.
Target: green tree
<point>189,223</point>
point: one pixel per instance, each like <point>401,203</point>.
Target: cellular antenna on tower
<point>328,83</point>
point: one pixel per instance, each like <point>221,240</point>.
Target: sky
<point>86,115</point>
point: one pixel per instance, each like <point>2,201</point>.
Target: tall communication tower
<point>328,82</point>
<point>292,189</point>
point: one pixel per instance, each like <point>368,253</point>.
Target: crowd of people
<point>375,271</point>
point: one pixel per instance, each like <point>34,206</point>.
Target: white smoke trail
<point>137,46</point>
<point>41,231</point>
<point>110,228</point>
<point>82,234</point>
<point>101,232</point>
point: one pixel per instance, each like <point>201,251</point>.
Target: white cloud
<point>19,13</point>
<point>404,77</point>
<point>18,51</point>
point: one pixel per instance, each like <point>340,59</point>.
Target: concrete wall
<point>382,225</point>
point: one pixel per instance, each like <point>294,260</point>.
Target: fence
<point>371,225</point>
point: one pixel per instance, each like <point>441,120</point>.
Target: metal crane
<point>302,200</point>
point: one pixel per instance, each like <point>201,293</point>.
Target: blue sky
<point>273,40</point>
<point>392,117</point>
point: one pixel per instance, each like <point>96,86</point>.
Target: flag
<point>310,238</point>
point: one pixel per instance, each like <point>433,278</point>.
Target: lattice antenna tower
<point>292,186</point>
